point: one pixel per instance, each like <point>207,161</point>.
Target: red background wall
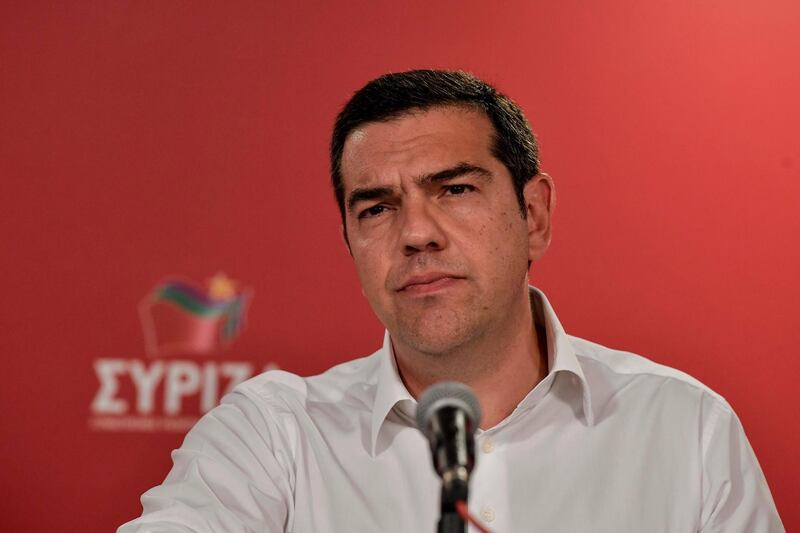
<point>143,139</point>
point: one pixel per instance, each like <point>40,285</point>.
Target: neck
<point>501,368</point>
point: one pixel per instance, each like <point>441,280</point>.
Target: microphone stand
<point>455,483</point>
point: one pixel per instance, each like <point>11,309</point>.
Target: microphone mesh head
<point>447,393</point>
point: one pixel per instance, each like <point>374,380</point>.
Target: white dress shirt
<point>608,442</point>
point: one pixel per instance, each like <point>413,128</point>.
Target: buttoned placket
<point>488,486</point>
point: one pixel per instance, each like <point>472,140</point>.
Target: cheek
<point>370,268</point>
<point>507,236</point>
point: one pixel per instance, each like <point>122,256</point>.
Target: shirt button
<point>488,445</point>
<point>487,514</point>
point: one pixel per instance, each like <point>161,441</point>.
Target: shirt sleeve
<point>231,474</point>
<point>736,498</point>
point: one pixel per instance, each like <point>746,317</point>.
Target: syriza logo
<point>180,318</point>
<point>186,328</point>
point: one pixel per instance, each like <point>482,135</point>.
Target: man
<point>444,208</point>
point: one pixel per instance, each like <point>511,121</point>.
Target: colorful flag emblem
<point>180,318</point>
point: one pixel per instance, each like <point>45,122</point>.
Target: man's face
<point>434,227</point>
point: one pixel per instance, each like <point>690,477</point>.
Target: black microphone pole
<point>449,519</point>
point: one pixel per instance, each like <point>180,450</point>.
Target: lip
<point>426,283</point>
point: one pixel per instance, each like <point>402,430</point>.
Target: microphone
<point>448,414</point>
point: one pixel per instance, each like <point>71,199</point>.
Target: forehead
<point>416,143</point>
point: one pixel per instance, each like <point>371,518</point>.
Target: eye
<point>373,211</point>
<point>458,189</point>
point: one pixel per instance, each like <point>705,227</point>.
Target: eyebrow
<point>457,171</point>
<point>362,194</point>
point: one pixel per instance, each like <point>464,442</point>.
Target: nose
<point>420,229</point>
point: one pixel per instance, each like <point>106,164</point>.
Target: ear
<point>540,202</point>
<point>345,239</point>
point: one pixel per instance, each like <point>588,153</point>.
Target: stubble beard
<point>437,329</point>
<point>440,327</point>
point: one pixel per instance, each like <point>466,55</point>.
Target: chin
<point>434,338</point>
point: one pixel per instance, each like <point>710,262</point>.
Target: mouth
<point>429,283</point>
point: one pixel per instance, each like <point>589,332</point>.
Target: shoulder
<point>281,409</point>
<point>281,389</point>
<point>622,374</point>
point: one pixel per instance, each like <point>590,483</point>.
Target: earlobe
<point>540,202</point>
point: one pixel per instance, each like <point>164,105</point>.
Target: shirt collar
<point>561,357</point>
<point>390,389</point>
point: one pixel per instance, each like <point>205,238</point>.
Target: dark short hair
<point>394,95</point>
